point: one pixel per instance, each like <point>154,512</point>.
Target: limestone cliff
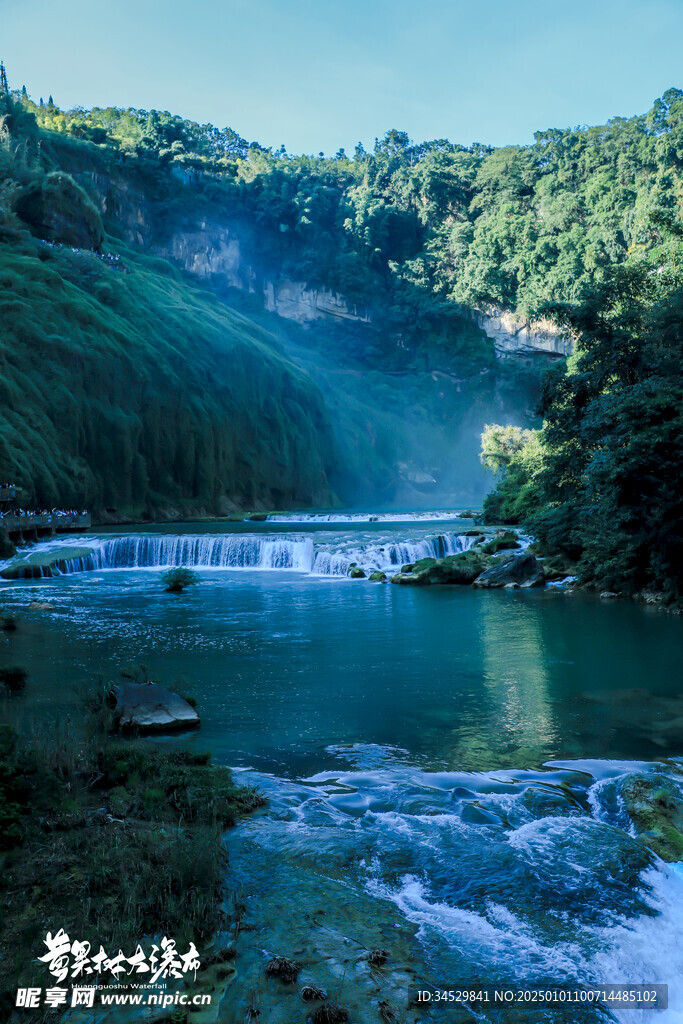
<point>515,335</point>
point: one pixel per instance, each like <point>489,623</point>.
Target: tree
<point>613,432</point>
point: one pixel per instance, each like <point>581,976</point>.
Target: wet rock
<point>475,814</point>
<point>378,577</point>
<point>462,568</point>
<point>608,595</point>
<point>654,807</point>
<point>41,606</point>
<point>151,708</point>
<point>377,957</point>
<point>503,539</point>
<point>524,569</point>
<point>408,568</point>
<point>356,573</point>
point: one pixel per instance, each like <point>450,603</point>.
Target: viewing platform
<point>32,526</point>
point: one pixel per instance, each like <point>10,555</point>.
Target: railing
<point>50,521</point>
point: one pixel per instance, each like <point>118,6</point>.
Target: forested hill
<point>131,385</point>
<point>422,223</point>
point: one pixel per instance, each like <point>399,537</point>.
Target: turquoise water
<point>403,737</point>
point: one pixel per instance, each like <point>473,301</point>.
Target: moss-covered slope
<point>124,387</point>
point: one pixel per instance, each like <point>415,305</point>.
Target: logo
<point>74,961</point>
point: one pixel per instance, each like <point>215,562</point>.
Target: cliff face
<point>170,402</point>
<point>514,335</point>
<point>207,244</point>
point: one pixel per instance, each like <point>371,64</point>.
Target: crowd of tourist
<point>24,513</point>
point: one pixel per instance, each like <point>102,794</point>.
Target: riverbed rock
<point>654,806</point>
<point>356,573</point>
<point>462,569</point>
<point>503,539</point>
<point>378,576</point>
<point>41,606</point>
<point>151,708</point>
<point>524,569</point>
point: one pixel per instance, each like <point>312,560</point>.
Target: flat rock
<point>524,570</point>
<point>150,707</point>
<point>42,606</point>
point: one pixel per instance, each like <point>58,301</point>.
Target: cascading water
<point>252,551</point>
<point>388,556</point>
<point>361,517</point>
<point>229,552</point>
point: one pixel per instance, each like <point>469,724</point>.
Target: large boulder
<point>521,570</point>
<point>149,707</point>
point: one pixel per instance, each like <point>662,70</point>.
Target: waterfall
<point>319,557</point>
<point>361,517</point>
<point>225,552</point>
<point>388,556</point>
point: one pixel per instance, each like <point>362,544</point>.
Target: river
<point>445,767</point>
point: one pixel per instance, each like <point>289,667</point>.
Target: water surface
<point>445,766</point>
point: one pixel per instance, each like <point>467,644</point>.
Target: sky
<point>317,76</point>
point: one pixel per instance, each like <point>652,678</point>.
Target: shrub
<point>177,579</point>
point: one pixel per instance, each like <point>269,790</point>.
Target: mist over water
<point>408,438</point>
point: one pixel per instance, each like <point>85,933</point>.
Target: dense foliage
<point>420,234</point>
<point>601,483</point>
<point>512,227</point>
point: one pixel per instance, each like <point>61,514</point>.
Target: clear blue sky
<point>325,74</point>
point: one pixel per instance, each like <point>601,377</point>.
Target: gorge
<point>289,381</point>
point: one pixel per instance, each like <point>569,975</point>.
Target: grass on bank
<point>113,841</point>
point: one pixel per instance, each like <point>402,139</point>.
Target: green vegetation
<point>162,398</point>
<point>654,807</point>
<point>600,484</point>
<point>462,569</point>
<point>124,387</point>
<point>515,455</point>
<point>177,579</point>
<point>115,841</point>
<point>433,221</point>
